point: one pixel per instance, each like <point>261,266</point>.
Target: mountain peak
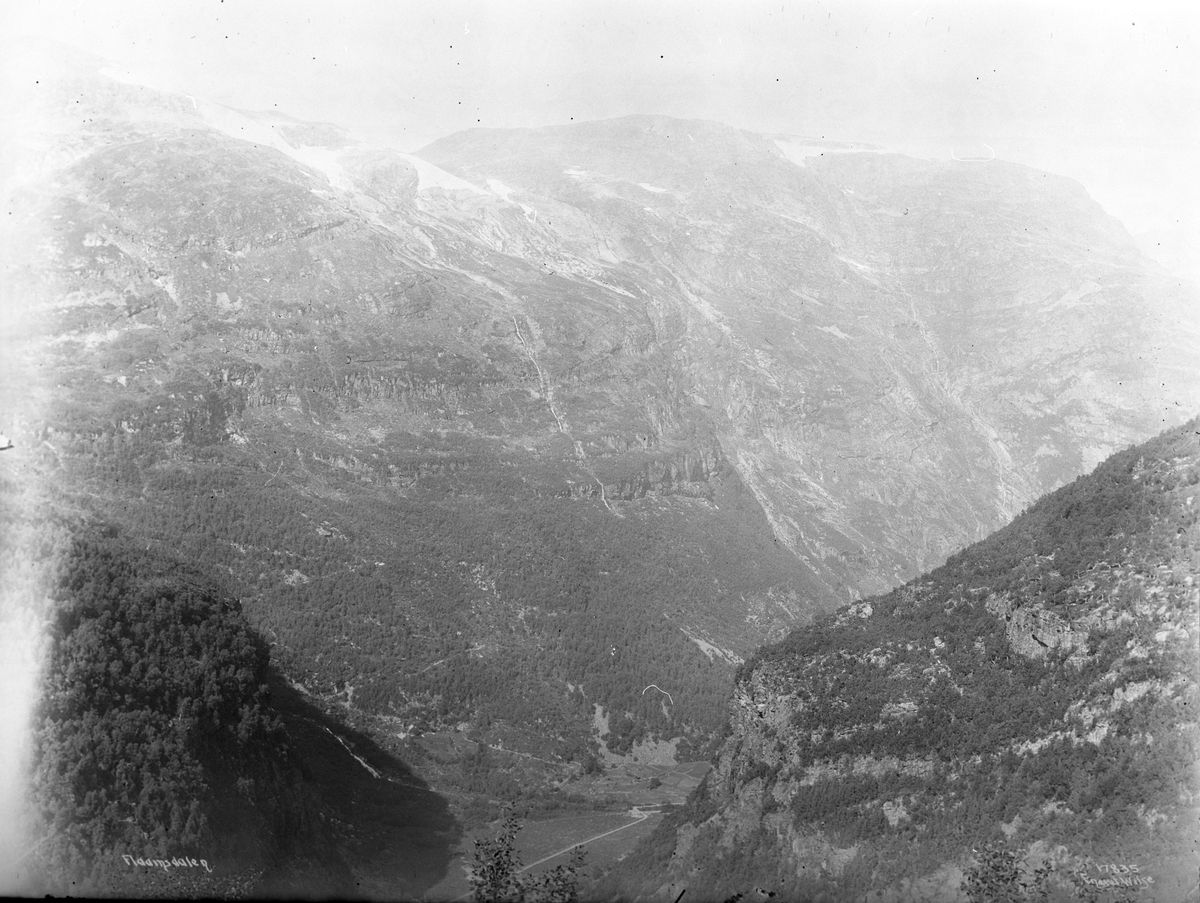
<point>504,433</point>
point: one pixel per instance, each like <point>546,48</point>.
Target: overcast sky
<point>1107,93</point>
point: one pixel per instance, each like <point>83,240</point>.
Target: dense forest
<point>155,736</point>
<point>1037,688</point>
<point>160,738</point>
<point>475,590</point>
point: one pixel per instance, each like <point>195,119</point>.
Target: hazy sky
<point>1104,92</point>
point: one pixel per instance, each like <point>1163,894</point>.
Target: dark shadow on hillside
<point>393,831</point>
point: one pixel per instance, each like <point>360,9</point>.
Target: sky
<point>1106,93</point>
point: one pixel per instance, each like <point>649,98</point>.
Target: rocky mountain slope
<point>513,428</point>
<point>1038,690</point>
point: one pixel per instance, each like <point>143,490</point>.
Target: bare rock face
<point>1034,632</point>
<point>710,386</point>
<point>887,343</point>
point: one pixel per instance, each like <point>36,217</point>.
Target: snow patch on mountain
<point>799,149</point>
<point>430,176</point>
<point>324,161</point>
<point>833,330</point>
<point>500,188</point>
<point>265,132</point>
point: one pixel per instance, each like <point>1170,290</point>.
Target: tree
<point>496,877</point>
<point>998,877</point>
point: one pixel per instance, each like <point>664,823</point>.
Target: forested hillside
<point>1038,691</point>
<point>157,739</point>
<point>423,610</point>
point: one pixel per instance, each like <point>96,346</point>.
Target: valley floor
<point>607,835</point>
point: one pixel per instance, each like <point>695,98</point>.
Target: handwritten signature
<point>1114,875</point>
<point>167,864</point>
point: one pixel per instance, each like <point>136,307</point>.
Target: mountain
<point>1037,691</point>
<point>490,439</point>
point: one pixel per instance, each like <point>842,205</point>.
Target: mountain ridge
<point>565,433</point>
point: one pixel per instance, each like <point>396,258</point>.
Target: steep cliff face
<point>901,354</point>
<point>1037,688</point>
<point>665,385</point>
